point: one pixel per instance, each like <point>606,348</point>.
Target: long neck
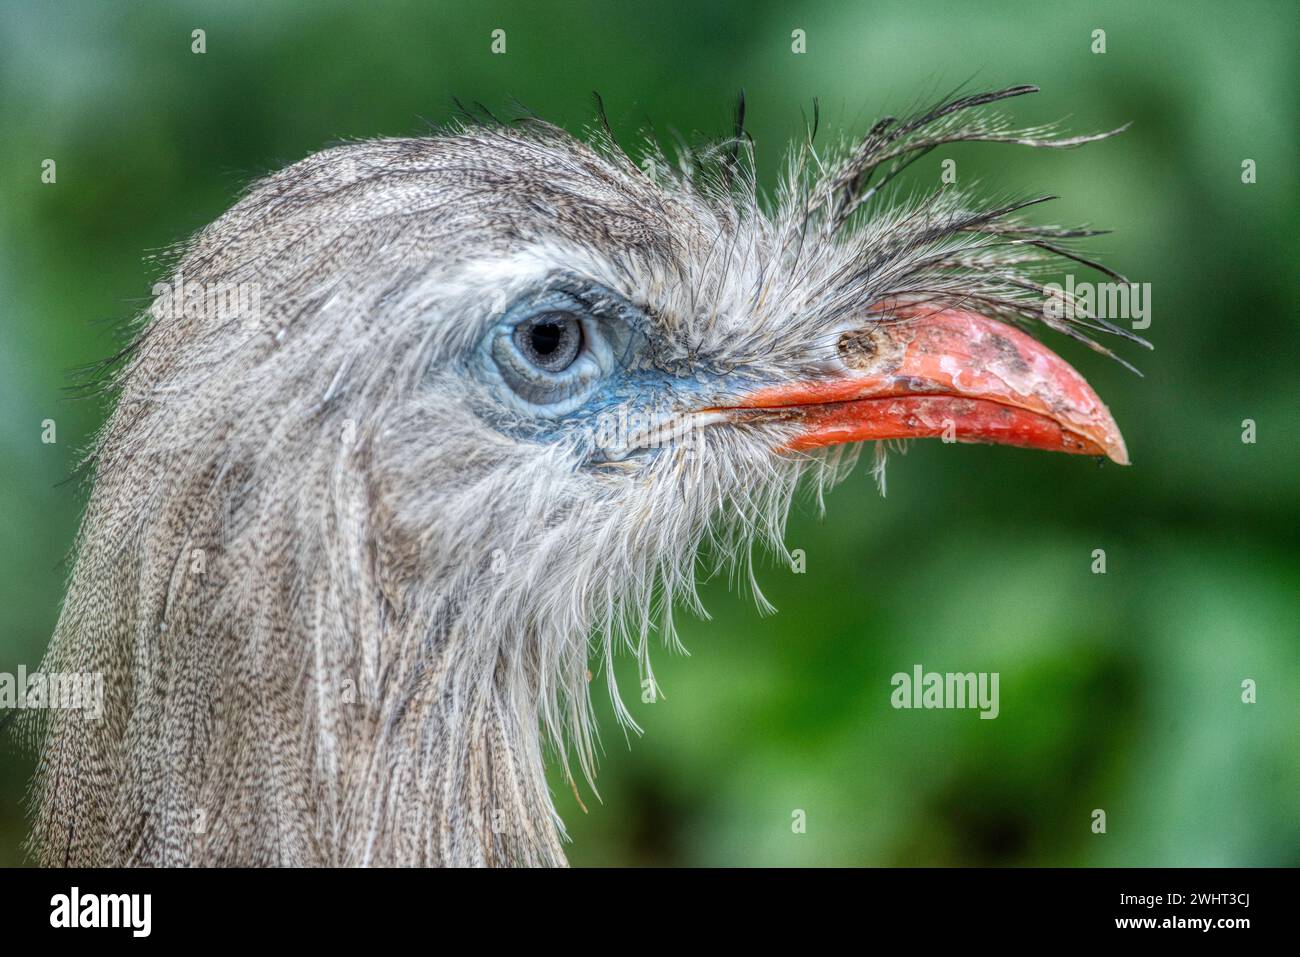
<point>445,769</point>
<point>269,705</point>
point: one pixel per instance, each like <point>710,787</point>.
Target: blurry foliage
<point>1119,691</point>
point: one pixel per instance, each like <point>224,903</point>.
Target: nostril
<point>858,347</point>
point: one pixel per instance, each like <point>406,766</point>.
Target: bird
<point>422,432</point>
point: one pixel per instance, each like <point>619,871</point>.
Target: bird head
<point>492,394</point>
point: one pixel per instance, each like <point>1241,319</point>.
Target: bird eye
<point>550,357</point>
<point>552,348</point>
<point>551,341</point>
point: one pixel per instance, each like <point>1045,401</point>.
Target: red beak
<point>952,374</point>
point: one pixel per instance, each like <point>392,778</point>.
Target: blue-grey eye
<point>551,359</point>
<point>552,349</point>
<point>551,341</point>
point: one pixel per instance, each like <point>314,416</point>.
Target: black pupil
<point>546,337</point>
<point>550,342</point>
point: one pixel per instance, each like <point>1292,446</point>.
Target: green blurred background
<point>1118,691</point>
